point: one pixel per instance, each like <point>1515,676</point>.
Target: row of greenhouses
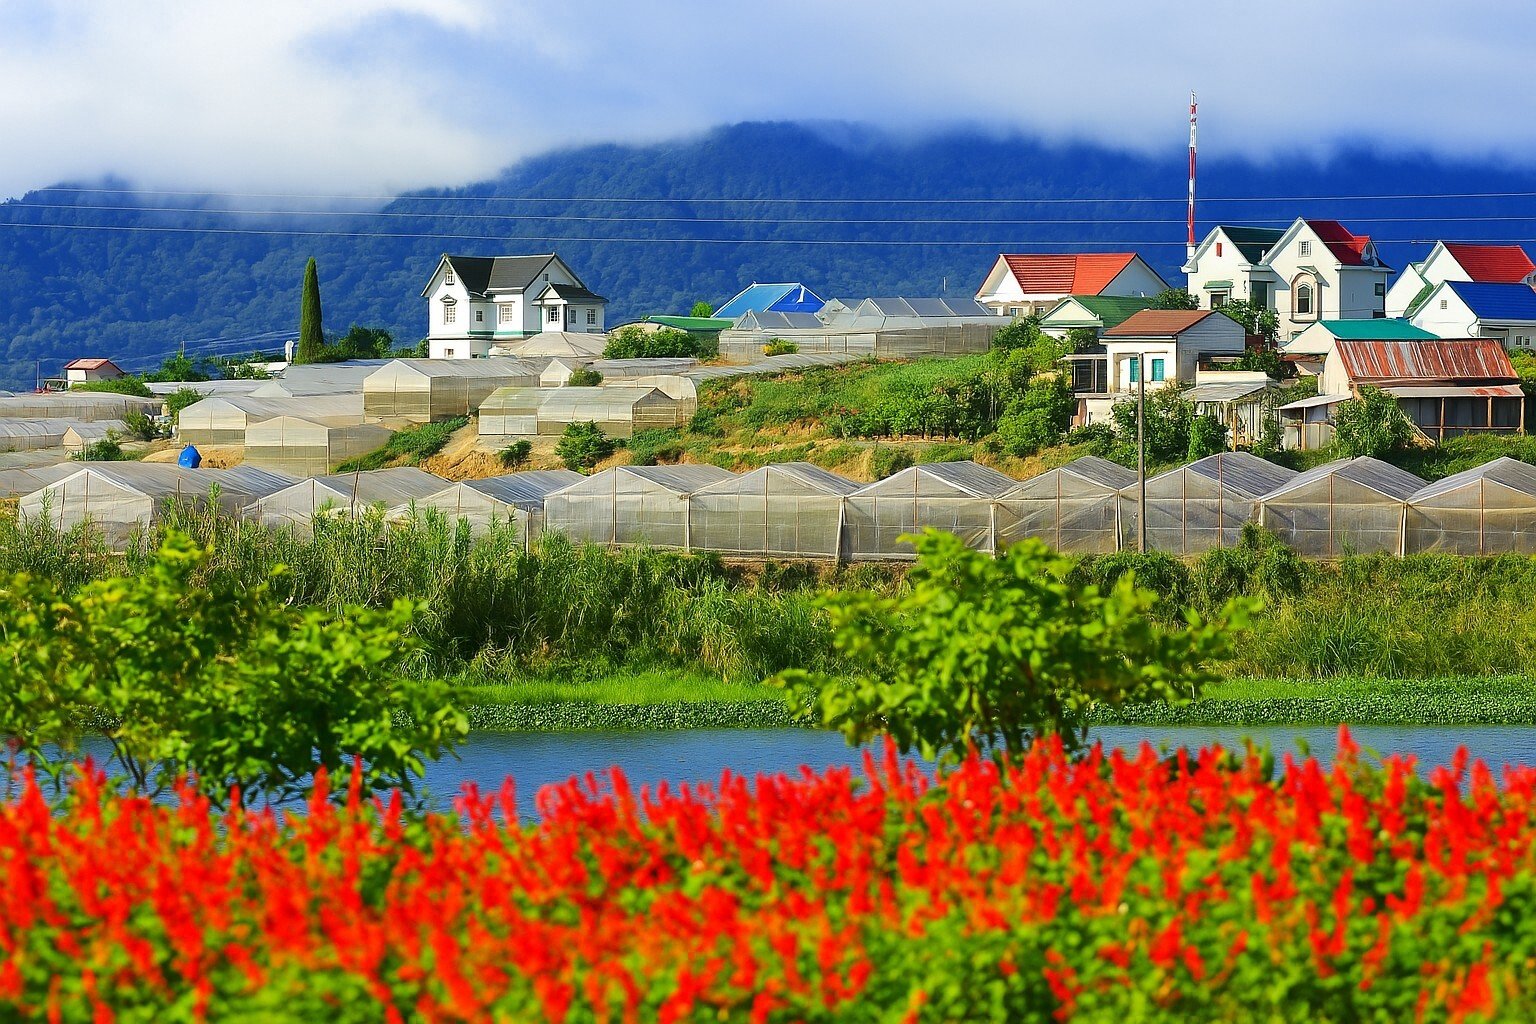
<point>798,510</point>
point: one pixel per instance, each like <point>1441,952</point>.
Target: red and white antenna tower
<point>1189,244</point>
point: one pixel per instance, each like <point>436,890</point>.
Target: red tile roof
<point>1437,361</point>
<point>89,364</point>
<point>1086,273</point>
<point>1157,323</point>
<point>1492,264</point>
<point>1347,247</point>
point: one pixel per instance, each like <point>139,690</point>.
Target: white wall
<point>1228,265</point>
<point>1446,316</point>
<point>1403,291</point>
<point>1137,279</point>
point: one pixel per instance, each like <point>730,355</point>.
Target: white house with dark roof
<point>477,302</point>
<point>1229,265</point>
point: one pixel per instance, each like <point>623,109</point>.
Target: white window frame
<point>554,315</point>
<point>450,311</point>
<point>1304,247</point>
<point>504,313</point>
<point>479,316</point>
<point>448,276</point>
<point>591,317</point>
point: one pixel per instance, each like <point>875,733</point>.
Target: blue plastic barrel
<point>190,458</point>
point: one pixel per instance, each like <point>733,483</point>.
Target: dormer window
<point>1304,248</point>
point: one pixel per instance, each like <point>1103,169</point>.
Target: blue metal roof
<point>780,298</point>
<point>1496,301</point>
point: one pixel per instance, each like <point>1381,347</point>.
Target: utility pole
<point>1141,454</point>
<point>1189,244</point>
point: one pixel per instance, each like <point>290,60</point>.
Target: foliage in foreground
<point>409,446</point>
<point>997,650</point>
<point>218,680</point>
<point>1113,888</point>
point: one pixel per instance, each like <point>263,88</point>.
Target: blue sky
<point>381,95</point>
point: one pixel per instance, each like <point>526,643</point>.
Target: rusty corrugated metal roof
<point>1429,362</point>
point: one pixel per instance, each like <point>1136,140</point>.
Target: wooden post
<point>1141,456</point>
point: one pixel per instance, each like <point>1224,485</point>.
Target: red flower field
<point>1108,888</point>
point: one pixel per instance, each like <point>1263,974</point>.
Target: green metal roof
<point>1380,329</point>
<point>1419,299</point>
<point>693,323</point>
<point>1218,284</point>
<point>1111,310</point>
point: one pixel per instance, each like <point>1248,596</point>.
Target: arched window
<point>1304,297</point>
<point>450,311</point>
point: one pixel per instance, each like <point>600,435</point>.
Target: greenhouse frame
<point>122,499</point>
<point>342,494</point>
<point>788,510</point>
<point>31,435</point>
<point>15,483</point>
<point>1350,506</point>
<point>305,447</point>
<point>424,390</point>
<point>1487,510</point>
<point>224,421</point>
<point>644,506</point>
<point>516,498</point>
<point>312,379</point>
<point>1202,505</point>
<point>618,410</point>
<point>1073,508</point>
<point>84,406</point>
<point>80,435</point>
<point>953,496</point>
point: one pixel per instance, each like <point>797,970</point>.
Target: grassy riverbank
<point>660,700</point>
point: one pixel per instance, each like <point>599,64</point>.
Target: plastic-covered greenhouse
<point>304,447</point>
<point>630,505</point>
<point>15,483</point>
<point>123,498</point>
<point>84,406</point>
<point>224,421</point>
<point>1487,510</point>
<point>952,496</point>
<point>1073,508</point>
<point>793,510</point>
<point>312,379</point>
<point>30,435</point>
<point>1352,506</point>
<point>619,411</point>
<point>81,434</point>
<point>1203,505</point>
<point>517,498</point>
<point>343,494</point>
<point>422,390</point>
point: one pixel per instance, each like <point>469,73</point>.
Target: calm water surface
<point>538,759</point>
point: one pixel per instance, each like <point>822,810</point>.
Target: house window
<point>450,312</point>
<point>448,276</point>
<point>1157,370</point>
<point>1133,374</point>
<point>1219,299</point>
<point>546,278</point>
<point>479,316</point>
<point>1015,310</point>
<point>554,314</point>
<point>1304,297</point>
<point>504,314</point>
<point>1259,291</point>
<point>1442,303</point>
<point>1304,248</point>
<point>447,353</point>
<point>591,317</point>
<point>1218,248</point>
<point>1381,288</point>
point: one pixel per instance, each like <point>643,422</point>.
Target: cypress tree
<point>311,337</point>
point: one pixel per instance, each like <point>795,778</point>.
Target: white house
<point>1169,343</point>
<point>1458,261</point>
<point>1473,309</point>
<point>1031,284</point>
<point>1315,270</point>
<point>79,371</point>
<point>1229,265</point>
<point>475,302</point>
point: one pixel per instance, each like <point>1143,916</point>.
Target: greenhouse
<point>790,510</point>
<point>343,494</point>
<point>619,411</point>
<point>310,379</point>
<point>423,390</point>
<point>30,435</point>
<point>14,483</point>
<point>1200,506</point>
<point>1073,508</point>
<point>124,498</point>
<point>559,345</point>
<point>952,496</point>
<point>1487,510</point>
<point>517,498</point>
<point>81,434</point>
<point>304,447</point>
<point>85,406</point>
<point>1351,506</point>
<point>631,505</point>
<point>224,421</point>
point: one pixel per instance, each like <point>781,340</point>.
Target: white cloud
<point>353,95</point>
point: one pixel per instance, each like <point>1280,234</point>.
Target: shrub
<point>648,447</point>
<point>888,460</point>
<point>180,399</point>
<point>1039,419</point>
<point>584,377</point>
<point>409,446</point>
<point>1175,298</point>
<point>108,449</point>
<point>515,454</point>
<point>583,445</point>
<point>1207,436</point>
<point>780,347</point>
<point>994,651</point>
<point>128,385</point>
<point>632,342</point>
<point>1372,424</point>
<point>141,427</point>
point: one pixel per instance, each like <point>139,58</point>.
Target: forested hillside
<point>117,289</point>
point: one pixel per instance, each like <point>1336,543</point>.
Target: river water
<point>535,760</point>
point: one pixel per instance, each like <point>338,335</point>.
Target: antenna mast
<point>1189,244</point>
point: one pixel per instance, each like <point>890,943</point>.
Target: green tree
<point>311,346</point>
<point>1175,298</point>
<point>1207,436</point>
<point>516,454</point>
<point>1372,424</point>
<point>633,342</point>
<point>584,377</point>
<point>219,680</point>
<point>181,367</point>
<point>362,343</point>
<point>702,309</point>
<point>1256,319</point>
<point>1168,418</point>
<point>582,446</point>
<point>1039,419</point>
<point>180,399</point>
<point>994,651</point>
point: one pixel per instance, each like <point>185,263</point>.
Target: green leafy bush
<point>888,460</point>
<point>128,385</point>
<point>584,377</point>
<point>648,447</point>
<point>1372,424</point>
<point>180,399</point>
<point>1175,298</point>
<point>107,449</point>
<point>1207,436</point>
<point>994,651</point>
<point>583,445</point>
<point>409,446</point>
<point>780,347</point>
<point>141,427</point>
<point>515,454</point>
<point>633,342</point>
<point>1039,419</point>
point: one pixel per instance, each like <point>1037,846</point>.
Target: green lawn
<point>625,688</point>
